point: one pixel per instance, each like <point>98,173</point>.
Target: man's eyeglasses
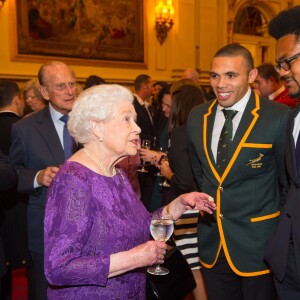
<point>286,64</point>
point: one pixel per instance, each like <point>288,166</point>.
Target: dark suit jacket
<point>183,180</point>
<point>7,119</point>
<point>8,179</point>
<point>13,206</point>
<point>143,121</point>
<point>35,146</point>
<point>277,248</point>
<point>247,194</point>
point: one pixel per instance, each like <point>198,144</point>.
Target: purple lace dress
<point>89,217</point>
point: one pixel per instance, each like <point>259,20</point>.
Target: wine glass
<point>165,182</point>
<point>161,228</point>
<point>161,151</point>
<point>146,144</point>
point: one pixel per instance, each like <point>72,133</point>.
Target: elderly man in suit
<point>236,146</point>
<point>38,149</point>
<point>283,250</point>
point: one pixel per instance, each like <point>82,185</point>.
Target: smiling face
<point>286,47</point>
<point>120,131</point>
<point>60,87</point>
<point>166,105</point>
<point>230,78</point>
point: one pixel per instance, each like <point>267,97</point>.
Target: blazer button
<point>221,216</point>
<point>221,188</point>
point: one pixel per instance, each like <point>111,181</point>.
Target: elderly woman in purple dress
<point>96,229</point>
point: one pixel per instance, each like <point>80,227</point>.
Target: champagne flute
<point>146,144</point>
<point>161,229</point>
<point>161,151</point>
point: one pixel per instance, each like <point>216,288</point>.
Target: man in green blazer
<point>247,180</point>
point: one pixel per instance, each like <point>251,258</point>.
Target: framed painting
<point>93,32</point>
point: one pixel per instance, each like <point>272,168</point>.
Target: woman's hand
<point>150,253</point>
<point>151,156</point>
<point>193,200</point>
<point>147,155</point>
<point>165,169</point>
<point>147,254</point>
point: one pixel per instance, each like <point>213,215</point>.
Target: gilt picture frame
<point>80,32</point>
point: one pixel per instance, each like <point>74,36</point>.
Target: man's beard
<point>295,94</point>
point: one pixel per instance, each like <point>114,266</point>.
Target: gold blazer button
<point>221,188</point>
<point>221,216</point>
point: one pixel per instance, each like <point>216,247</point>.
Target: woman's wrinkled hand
<point>150,253</point>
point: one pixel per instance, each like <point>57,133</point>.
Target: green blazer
<point>247,194</point>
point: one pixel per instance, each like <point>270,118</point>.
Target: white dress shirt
<point>220,120</point>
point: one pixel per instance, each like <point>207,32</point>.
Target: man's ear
<point>44,92</point>
<point>252,75</point>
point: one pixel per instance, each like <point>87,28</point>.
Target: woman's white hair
<point>95,104</point>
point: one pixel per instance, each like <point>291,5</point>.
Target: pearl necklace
<point>102,169</point>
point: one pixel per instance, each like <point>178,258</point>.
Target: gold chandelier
<point>2,3</point>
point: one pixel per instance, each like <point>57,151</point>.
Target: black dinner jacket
<point>8,179</point>
<point>277,248</point>
<point>7,119</point>
<point>35,146</point>
<point>143,121</point>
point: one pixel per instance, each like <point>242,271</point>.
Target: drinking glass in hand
<point>161,151</point>
<point>161,229</point>
<point>165,182</point>
<point>146,144</point>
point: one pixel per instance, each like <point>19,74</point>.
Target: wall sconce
<point>164,19</point>
<point>2,3</point>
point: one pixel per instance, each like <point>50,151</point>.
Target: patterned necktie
<point>225,140</point>
<point>69,143</point>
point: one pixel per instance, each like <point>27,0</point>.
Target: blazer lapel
<point>290,146</point>
<point>249,118</point>
<point>208,124</point>
<point>49,134</point>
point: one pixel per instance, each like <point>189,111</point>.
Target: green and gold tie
<point>225,140</point>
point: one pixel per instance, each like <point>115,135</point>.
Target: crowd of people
<point>79,183</point>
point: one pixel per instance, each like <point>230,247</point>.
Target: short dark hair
<point>93,80</point>
<point>267,70</point>
<point>234,49</point>
<point>286,22</point>
<point>163,84</point>
<point>139,80</point>
<point>8,90</point>
<point>183,100</point>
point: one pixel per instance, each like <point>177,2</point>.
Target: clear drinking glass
<point>161,151</point>
<point>146,144</point>
<point>165,182</point>
<point>161,229</point>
